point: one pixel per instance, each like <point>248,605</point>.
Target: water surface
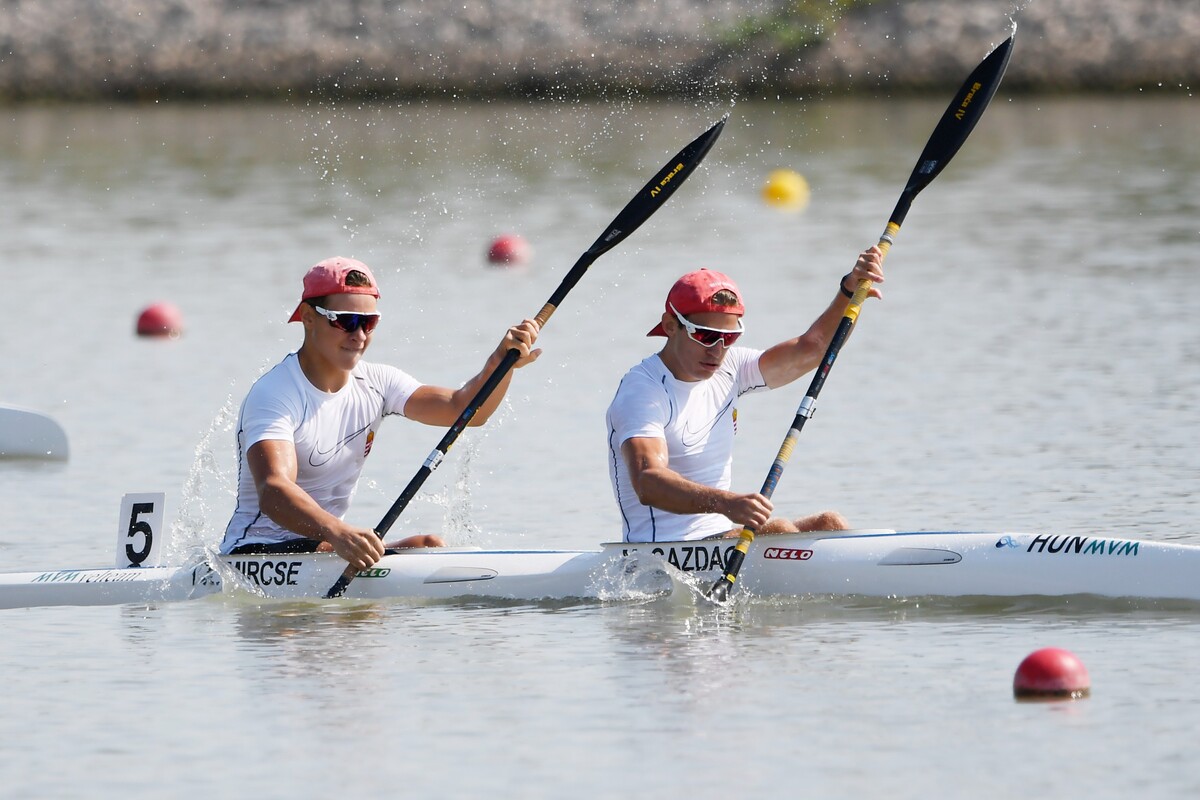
<point>1032,367</point>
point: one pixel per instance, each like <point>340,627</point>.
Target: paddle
<point>953,129</point>
<point>649,199</point>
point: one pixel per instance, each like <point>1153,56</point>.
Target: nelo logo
<point>787,554</point>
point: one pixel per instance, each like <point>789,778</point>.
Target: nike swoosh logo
<point>698,435</point>
<point>327,455</point>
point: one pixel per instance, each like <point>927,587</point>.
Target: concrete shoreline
<point>142,49</point>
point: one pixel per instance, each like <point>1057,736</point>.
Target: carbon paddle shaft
<point>648,200</point>
<point>952,130</point>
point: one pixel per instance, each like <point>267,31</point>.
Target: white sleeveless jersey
<point>697,420</point>
<point>333,435</point>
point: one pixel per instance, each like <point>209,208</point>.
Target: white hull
<point>30,434</point>
<point>856,563</point>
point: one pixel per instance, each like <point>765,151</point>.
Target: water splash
<point>636,576</point>
<point>458,513</point>
<point>1012,18</point>
<point>207,495</point>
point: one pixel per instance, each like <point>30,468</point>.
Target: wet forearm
<point>667,490</point>
<point>295,510</point>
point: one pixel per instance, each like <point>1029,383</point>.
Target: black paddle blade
<point>658,190</point>
<point>959,120</point>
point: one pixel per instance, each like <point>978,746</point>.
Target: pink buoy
<point>160,319</point>
<point>509,249</point>
<point>1051,674</point>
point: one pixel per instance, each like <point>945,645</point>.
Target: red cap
<point>329,277</point>
<point>693,294</point>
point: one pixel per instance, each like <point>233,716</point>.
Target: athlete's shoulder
<point>650,369</point>
<point>738,355</point>
<point>379,374</point>
<point>743,364</point>
<point>392,384</point>
<point>278,393</point>
<point>647,375</point>
<point>284,377</point>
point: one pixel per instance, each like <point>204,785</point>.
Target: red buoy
<point>1051,674</point>
<point>509,249</point>
<point>160,319</point>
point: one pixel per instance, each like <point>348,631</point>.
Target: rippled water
<point>1033,366</point>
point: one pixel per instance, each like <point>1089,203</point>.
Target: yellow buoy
<point>786,188</point>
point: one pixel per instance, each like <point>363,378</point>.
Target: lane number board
<point>139,529</point>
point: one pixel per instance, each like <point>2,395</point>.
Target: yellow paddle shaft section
<point>864,286</point>
<point>746,537</point>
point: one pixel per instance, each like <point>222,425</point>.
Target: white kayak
<point>25,433</point>
<point>877,563</point>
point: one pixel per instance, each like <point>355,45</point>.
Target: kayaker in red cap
<point>672,421</point>
<point>307,426</point>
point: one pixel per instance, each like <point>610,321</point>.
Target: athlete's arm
<point>437,405</point>
<point>659,486</point>
<point>787,361</point>
<point>273,465</point>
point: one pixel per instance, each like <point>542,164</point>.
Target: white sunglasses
<point>349,321</point>
<point>708,337</point>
